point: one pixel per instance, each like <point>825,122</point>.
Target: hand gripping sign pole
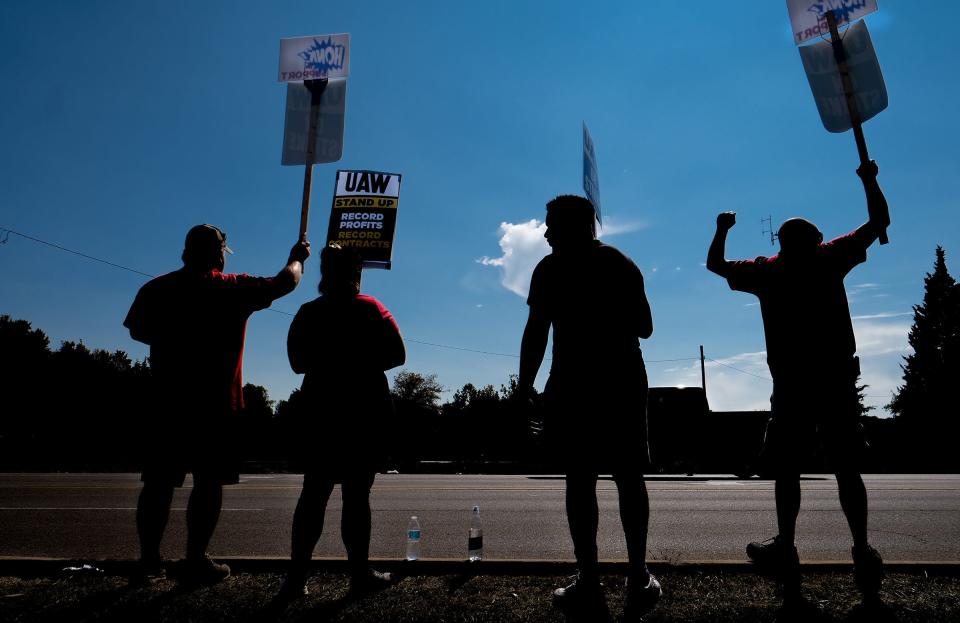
<point>841,57</point>
<point>316,88</point>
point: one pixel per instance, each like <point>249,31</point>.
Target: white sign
<point>367,183</point>
<point>809,17</point>
<point>865,75</point>
<point>591,176</point>
<point>314,58</point>
<point>328,143</point>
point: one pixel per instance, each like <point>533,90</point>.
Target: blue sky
<point>124,124</point>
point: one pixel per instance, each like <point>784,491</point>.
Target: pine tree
<point>925,405</point>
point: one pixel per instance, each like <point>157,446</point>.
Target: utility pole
<point>703,372</point>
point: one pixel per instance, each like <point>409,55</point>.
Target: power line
<point>515,356</point>
<point>765,378</point>
<point>5,234</point>
<point>468,350</point>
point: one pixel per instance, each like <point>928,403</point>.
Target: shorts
<point>811,413</point>
<point>598,425</point>
<point>205,446</point>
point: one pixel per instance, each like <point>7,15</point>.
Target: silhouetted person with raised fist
<point>811,353</point>
<point>342,342</point>
<point>592,296</point>
<point>195,320</point>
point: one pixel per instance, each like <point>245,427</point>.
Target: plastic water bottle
<point>413,539</point>
<point>475,542</point>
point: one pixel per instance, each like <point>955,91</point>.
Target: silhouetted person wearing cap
<point>194,320</point>
<point>811,354</point>
<point>592,295</point>
<point>342,342</point>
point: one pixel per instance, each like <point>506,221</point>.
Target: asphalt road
<point>91,516</point>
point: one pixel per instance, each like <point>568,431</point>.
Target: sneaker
<point>776,556</point>
<point>581,595</point>
<point>641,599</point>
<point>867,570</point>
<point>201,571</point>
<point>371,582</point>
<point>773,554</point>
<point>294,587</point>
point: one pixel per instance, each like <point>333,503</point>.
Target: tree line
<point>76,408</point>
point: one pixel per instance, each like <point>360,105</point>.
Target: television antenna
<point>766,228</point>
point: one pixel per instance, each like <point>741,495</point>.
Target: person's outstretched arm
<point>289,276</point>
<point>533,346</point>
<point>876,205</point>
<point>716,260</point>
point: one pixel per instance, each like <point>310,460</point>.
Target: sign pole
<point>839,54</point>
<point>316,88</point>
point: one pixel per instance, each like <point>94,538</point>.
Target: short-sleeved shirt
<point>592,299</point>
<point>596,395</point>
<point>342,346</point>
<point>195,324</point>
<point>806,317</point>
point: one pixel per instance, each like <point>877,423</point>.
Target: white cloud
<point>875,339</point>
<point>882,315</point>
<point>612,226</point>
<point>737,383</point>
<point>734,383</point>
<point>881,345</point>
<point>523,246</point>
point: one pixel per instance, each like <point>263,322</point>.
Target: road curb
<point>41,566</point>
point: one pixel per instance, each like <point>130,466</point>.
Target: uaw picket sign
<point>364,215</point>
<point>328,141</point>
<point>808,17</point>
<point>823,75</point>
<point>591,176</point>
<point>320,57</point>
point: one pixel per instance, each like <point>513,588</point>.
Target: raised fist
<point>726,220</point>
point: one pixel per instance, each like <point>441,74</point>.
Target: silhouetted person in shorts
<point>194,320</point>
<point>592,296</point>
<point>811,354</point>
<point>342,342</point>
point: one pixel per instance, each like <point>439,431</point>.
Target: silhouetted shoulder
<point>844,252</point>
<point>367,300</point>
<point>750,275</point>
<point>538,281</point>
<point>256,293</point>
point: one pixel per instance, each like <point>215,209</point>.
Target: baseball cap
<point>206,236</point>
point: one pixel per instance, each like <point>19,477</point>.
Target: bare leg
<point>153,509</point>
<point>787,495</point>
<point>355,522</point>
<point>853,501</point>
<point>203,513</point>
<point>583,518</point>
<point>635,517</point>
<point>308,519</point>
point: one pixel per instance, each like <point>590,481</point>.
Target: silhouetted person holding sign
<point>592,296</point>
<point>194,320</point>
<point>342,342</point>
<point>811,354</point>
